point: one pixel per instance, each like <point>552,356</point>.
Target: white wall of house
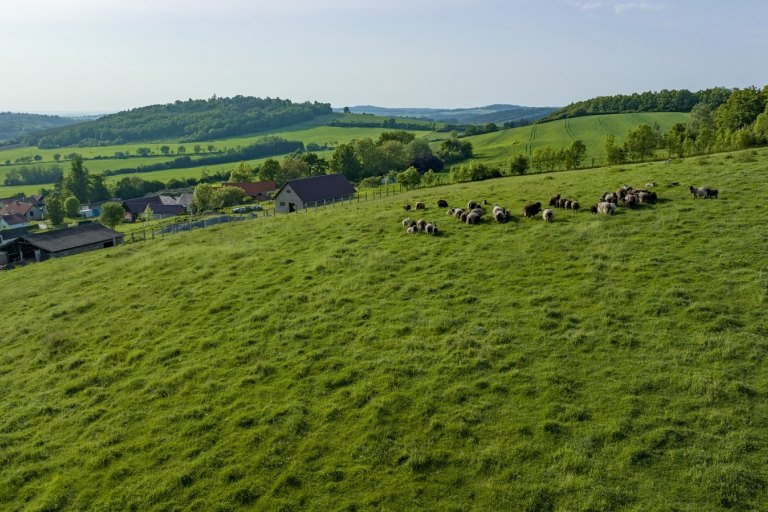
<point>285,198</point>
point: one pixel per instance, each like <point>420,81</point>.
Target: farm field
<point>498,147</point>
<point>326,360</point>
<point>495,147</point>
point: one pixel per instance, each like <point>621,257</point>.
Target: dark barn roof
<point>72,238</point>
<point>319,188</point>
<point>157,208</point>
<point>253,188</point>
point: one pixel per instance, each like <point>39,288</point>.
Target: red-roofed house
<point>259,190</point>
<point>13,221</point>
<point>26,210</point>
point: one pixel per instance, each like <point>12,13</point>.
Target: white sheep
<point>406,222</point>
<point>606,207</point>
<point>548,215</point>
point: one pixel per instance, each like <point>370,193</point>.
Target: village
<point>26,237</point>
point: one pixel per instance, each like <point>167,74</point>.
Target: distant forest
<point>665,100</point>
<point>187,121</point>
<point>14,125</point>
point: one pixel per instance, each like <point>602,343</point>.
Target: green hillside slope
<point>498,146</point>
<point>329,361</point>
<point>15,125</point>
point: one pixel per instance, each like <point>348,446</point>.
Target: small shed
<point>134,208</point>
<point>314,191</point>
<point>59,242</point>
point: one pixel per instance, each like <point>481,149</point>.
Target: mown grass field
<point>498,147</point>
<point>329,361</point>
<point>495,147</point>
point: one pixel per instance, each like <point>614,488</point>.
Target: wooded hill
<point>665,100</point>
<point>13,125</point>
<point>187,121</point>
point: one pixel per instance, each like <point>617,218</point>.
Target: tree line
<point>681,100</point>
<point>191,121</point>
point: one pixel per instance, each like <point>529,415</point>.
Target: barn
<point>58,243</point>
<point>314,191</point>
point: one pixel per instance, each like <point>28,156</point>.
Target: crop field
<point>326,360</point>
<point>498,147</point>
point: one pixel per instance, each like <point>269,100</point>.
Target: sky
<point>113,55</point>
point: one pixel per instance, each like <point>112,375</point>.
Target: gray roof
<point>70,238</point>
<point>319,188</point>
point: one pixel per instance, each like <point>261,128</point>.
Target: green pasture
<point>327,360</point>
<point>498,147</point>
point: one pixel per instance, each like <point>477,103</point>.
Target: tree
<point>409,178</point>
<point>270,170</point>
<point>429,177</point>
<point>640,143</point>
<point>241,173</point>
<point>57,156</point>
<point>317,165</point>
<point>111,214</point>
<point>203,198</point>
<point>518,164</point>
<point>741,109</point>
<point>399,135</point>
<point>38,158</point>
<point>197,149</point>
<point>76,182</point>
<point>346,110</point>
<point>165,150</point>
<point>72,207</point>
<point>55,209</point>
<point>455,150</point>
<point>346,162</point>
<point>293,167</point>
<point>211,148</point>
<point>148,214</point>
<point>143,151</point>
<point>228,196</point>
<point>614,153</point>
<point>181,150</point>
<point>575,155</point>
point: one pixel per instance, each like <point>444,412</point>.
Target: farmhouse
<point>57,243</point>
<point>258,190</point>
<point>13,221</point>
<point>162,207</point>
<point>26,210</point>
<point>313,191</point>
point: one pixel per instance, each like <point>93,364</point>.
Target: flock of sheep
<point>626,196</point>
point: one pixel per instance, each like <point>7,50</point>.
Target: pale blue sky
<point>109,55</point>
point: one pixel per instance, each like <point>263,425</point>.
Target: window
<point>282,203</point>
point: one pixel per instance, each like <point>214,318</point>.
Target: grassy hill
<point>498,147</point>
<point>495,147</point>
<point>487,114</point>
<point>329,361</point>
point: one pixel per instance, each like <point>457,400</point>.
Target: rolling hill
<point>15,125</point>
<point>328,361</point>
<point>497,113</point>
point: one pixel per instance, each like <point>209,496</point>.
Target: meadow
<point>326,360</point>
<point>495,148</point>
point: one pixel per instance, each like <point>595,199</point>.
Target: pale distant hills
<point>498,113</point>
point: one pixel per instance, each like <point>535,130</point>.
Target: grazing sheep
<point>702,192</point>
<point>421,224</point>
<point>553,200</point>
<point>485,202</point>
<point>463,216</point>
<point>429,228</point>
<point>496,208</point>
<point>421,206</point>
<point>458,213</point>
<point>567,204</point>
<point>435,231</point>
<point>650,184</point>
<point>501,215</point>
<point>442,203</point>
<point>606,207</point>
<point>407,207</point>
<point>471,205</point>
<point>631,201</point>
<point>610,197</point>
<point>530,210</point>
<point>406,222</point>
<point>712,193</point>
<point>473,218</point>
<point>548,215</point>
<point>478,211</point>
<point>593,208</point>
<point>561,202</point>
<point>623,191</point>
<point>646,197</point>
<point>412,230</point>
<point>575,205</point>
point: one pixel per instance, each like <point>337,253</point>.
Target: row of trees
<point>738,123</point>
<point>665,100</point>
<point>191,120</point>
